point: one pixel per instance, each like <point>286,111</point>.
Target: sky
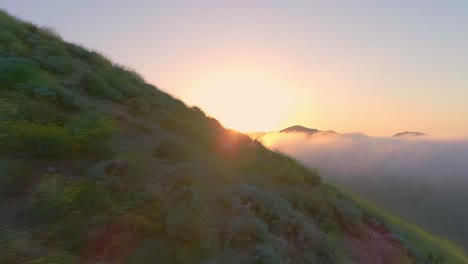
<point>377,67</point>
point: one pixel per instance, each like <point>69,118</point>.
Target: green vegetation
<point>98,166</point>
<point>437,249</point>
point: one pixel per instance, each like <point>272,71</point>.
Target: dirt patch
<point>377,246</point>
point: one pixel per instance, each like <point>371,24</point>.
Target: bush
<point>52,200</point>
<point>55,199</point>
<point>245,230</point>
<point>328,251</point>
<point>16,71</point>
<point>281,218</point>
<point>118,174</point>
<point>24,76</point>
<point>39,111</point>
<point>36,140</point>
<point>6,40</point>
<point>126,82</point>
<point>90,128</point>
<point>11,41</point>
<point>56,64</point>
<point>93,58</point>
<point>172,150</point>
<point>52,57</point>
<point>182,223</point>
<point>322,212</point>
<point>94,85</point>
<point>46,141</point>
<point>267,254</point>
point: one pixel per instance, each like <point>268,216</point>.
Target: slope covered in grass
<point>97,166</point>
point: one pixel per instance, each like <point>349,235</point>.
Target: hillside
<point>97,166</point>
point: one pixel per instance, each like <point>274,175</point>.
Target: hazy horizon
<point>379,68</point>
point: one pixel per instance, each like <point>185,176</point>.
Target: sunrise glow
<point>244,100</point>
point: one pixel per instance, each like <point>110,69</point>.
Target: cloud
<point>354,156</point>
<point>423,180</point>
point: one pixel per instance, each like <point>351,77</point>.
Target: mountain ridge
<point>316,132</point>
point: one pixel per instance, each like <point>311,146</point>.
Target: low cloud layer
<point>423,180</point>
<point>355,155</point>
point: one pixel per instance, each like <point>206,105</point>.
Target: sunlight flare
<point>243,100</point>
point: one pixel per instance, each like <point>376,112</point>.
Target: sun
<point>242,100</point>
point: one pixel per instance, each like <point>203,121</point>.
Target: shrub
<point>321,211</point>
<point>39,111</point>
<point>37,140</point>
<point>52,200</point>
<point>48,51</point>
<point>89,129</point>
<point>52,57</point>
<point>24,76</point>
<point>182,223</point>
<point>78,51</point>
<point>94,85</point>
<point>56,64</point>
<point>10,41</point>
<point>55,199</point>
<point>125,81</point>
<point>281,218</point>
<point>119,173</point>
<point>93,58</point>
<point>16,71</point>
<point>328,251</point>
<point>45,140</point>
<point>172,150</point>
<point>6,39</point>
<point>245,230</point>
<point>48,33</point>
<point>267,254</point>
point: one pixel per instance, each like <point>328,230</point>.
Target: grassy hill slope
<point>97,166</point>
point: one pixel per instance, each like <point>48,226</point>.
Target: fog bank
<point>423,180</point>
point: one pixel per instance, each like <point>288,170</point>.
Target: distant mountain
<point>309,131</point>
<point>300,129</point>
<point>409,134</point>
<point>316,132</point>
